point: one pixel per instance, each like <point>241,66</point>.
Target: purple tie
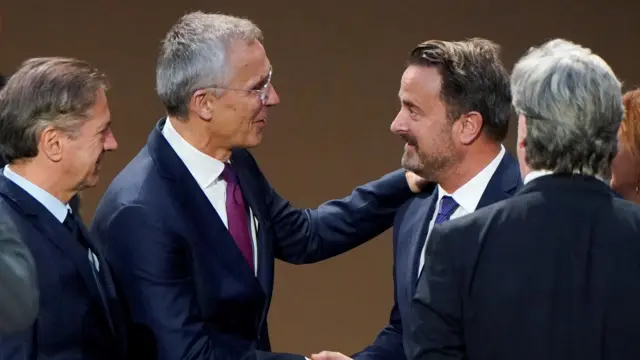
<point>237,215</point>
<point>447,207</point>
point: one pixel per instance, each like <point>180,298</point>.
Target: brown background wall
<point>337,70</point>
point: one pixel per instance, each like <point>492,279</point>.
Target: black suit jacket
<point>18,281</point>
<point>73,322</point>
<point>190,291</point>
<point>552,273</point>
<point>409,235</point>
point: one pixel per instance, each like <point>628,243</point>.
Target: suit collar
<point>204,168</point>
<point>469,194</point>
<point>504,182</point>
<point>568,182</point>
<point>50,202</point>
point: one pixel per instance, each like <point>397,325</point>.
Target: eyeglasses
<point>262,92</point>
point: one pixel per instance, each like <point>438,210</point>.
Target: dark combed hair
<point>473,79</point>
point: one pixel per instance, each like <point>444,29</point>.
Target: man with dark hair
<point>455,108</point>
<point>54,131</point>
<point>551,273</point>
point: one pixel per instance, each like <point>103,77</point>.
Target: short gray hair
<point>46,91</point>
<point>194,55</point>
<point>572,102</point>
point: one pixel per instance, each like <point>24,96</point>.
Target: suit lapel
<point>212,235</point>
<point>116,317</point>
<point>55,232</point>
<point>421,220</point>
<point>250,192</point>
<point>504,182</point>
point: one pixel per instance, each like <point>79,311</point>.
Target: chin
<point>253,141</point>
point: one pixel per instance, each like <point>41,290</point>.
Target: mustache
<point>409,139</point>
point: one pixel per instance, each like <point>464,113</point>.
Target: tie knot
<point>70,221</point>
<point>228,174</point>
<point>448,206</point>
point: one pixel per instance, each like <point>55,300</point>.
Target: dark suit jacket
<point>410,230</point>
<point>190,291</point>
<point>18,281</point>
<point>551,273</point>
<point>72,322</point>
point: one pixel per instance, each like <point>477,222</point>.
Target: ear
<point>470,127</point>
<point>522,132</point>
<point>202,103</point>
<point>51,144</point>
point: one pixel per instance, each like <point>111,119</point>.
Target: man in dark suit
<point>18,281</point>
<point>551,273</point>
<point>54,138</point>
<point>191,225</point>
<point>455,106</point>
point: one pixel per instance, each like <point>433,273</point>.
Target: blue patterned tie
<point>447,207</point>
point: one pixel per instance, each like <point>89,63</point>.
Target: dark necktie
<point>447,207</point>
<point>72,223</point>
<point>237,214</point>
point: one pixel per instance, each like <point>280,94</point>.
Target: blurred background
<point>337,67</point>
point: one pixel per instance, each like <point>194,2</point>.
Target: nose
<point>398,125</point>
<point>272,97</point>
<point>110,143</point>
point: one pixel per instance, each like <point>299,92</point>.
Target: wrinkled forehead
<point>248,62</point>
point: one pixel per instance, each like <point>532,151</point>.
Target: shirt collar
<point>52,203</point>
<point>468,195</point>
<point>535,174</point>
<point>205,169</point>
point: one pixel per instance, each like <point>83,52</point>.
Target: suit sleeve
<point>389,342</point>
<point>152,267</point>
<point>436,309</point>
<point>19,301</point>
<point>310,235</point>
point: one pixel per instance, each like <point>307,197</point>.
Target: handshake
<point>329,355</point>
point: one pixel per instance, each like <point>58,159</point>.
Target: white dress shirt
<point>467,196</point>
<point>56,207</point>
<point>207,172</point>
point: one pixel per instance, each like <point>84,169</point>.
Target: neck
<point>201,139</point>
<point>40,176</point>
<point>474,161</point>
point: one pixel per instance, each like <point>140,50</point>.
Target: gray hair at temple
<point>195,55</point>
<point>572,102</point>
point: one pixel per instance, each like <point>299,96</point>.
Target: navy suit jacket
<point>72,321</point>
<point>190,291</point>
<point>552,273</point>
<point>410,230</point>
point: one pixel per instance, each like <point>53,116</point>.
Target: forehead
<point>100,113</point>
<point>420,82</point>
<point>248,60</point>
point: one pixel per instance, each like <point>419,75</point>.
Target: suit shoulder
<point>475,222</point>
<point>138,182</point>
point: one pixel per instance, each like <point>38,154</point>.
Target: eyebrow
<point>105,126</point>
<point>408,103</point>
<point>263,79</point>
